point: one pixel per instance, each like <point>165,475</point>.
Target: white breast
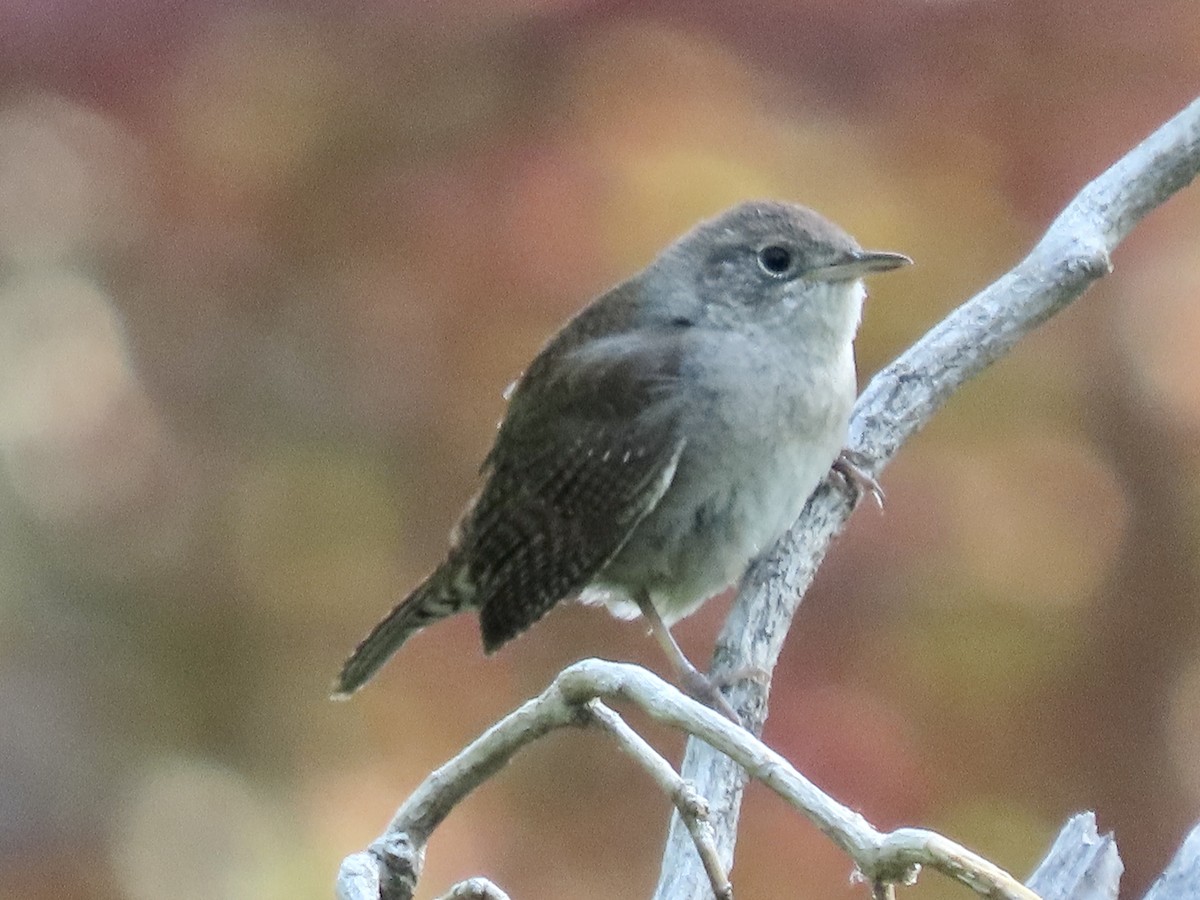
<point>761,434</point>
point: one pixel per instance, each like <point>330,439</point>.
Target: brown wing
<point>581,457</point>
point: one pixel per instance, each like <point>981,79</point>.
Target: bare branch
<point>390,867</point>
<point>1082,864</point>
<point>899,400</point>
<point>387,870</point>
<point>691,806</point>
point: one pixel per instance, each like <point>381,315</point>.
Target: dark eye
<point>775,259</point>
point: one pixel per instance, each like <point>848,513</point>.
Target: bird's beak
<point>857,264</point>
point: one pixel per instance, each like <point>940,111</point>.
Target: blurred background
<point>264,272</point>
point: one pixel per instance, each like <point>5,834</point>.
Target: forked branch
<point>389,869</point>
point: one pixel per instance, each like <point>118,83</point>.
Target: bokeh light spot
<point>315,533</point>
<point>1035,521</point>
<point>69,181</point>
<point>77,433</point>
<point>1183,728</point>
<point>62,361</point>
<point>1160,328</point>
<point>251,102</point>
<point>190,829</point>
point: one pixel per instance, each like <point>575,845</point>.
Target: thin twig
<point>894,857</point>
<point>691,806</point>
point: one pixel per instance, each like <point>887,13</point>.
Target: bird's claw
<point>851,467</point>
<point>700,687</point>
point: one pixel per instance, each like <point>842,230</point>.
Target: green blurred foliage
<point>264,273</point>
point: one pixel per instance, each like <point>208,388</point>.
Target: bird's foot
<point>694,683</point>
<point>700,687</point>
<point>851,467</point>
<point>756,674</point>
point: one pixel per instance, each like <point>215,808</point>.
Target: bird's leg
<point>851,467</point>
<point>755,674</point>
<point>694,682</point>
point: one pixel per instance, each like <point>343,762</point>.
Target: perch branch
<point>1074,252</point>
<point>389,869</point>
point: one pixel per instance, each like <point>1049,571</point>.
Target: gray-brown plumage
<point>670,432</point>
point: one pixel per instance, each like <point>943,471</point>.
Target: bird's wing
<point>589,446</point>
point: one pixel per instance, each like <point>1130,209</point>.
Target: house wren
<point>668,434</point>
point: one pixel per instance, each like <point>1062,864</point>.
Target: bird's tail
<point>434,598</point>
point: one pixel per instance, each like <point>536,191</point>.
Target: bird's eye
<point>775,259</point>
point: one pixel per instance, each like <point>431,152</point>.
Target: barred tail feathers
<point>433,599</point>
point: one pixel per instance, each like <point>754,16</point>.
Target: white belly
<point>740,484</point>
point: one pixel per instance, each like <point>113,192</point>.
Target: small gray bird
<point>667,435</point>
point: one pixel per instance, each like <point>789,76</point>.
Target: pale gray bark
<point>391,866</point>
<point>1081,865</point>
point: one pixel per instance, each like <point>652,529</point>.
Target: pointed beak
<point>857,264</point>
